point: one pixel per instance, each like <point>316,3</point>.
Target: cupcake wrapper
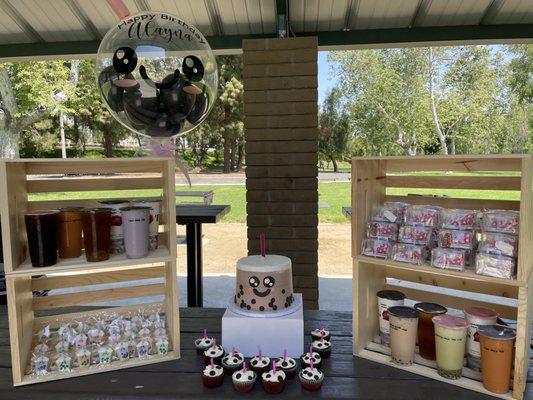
<point>324,353</point>
<point>212,381</point>
<point>244,387</point>
<point>274,387</point>
<point>311,385</point>
<point>230,369</point>
<point>290,373</point>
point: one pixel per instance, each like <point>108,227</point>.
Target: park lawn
<point>332,197</point>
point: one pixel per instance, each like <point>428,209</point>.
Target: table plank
<point>200,213</point>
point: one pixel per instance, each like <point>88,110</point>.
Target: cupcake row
<point>116,227</point>
<point>273,373</point>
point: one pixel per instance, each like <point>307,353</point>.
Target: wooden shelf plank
<point>426,269</point>
<point>429,372</point>
<point>80,265</point>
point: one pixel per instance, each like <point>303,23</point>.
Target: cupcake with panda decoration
<point>260,363</point>
<point>311,357</point>
<point>320,332</point>
<point>274,380</point>
<point>213,375</point>
<point>311,378</point>
<point>203,343</point>
<point>287,365</point>
<point>215,353</point>
<point>244,379</point>
<point>322,347</point>
<point>232,361</point>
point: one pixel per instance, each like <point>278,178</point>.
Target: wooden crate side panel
<point>525,244</point>
<point>455,182</point>
<point>69,184</point>
<point>168,211</point>
<point>523,339</point>
<point>367,281</point>
<point>92,166</point>
<point>20,317</point>
<point>172,305</point>
<point>368,190</point>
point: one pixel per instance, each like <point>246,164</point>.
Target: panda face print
<point>268,283</point>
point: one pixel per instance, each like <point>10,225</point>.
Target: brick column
<point>281,132</point>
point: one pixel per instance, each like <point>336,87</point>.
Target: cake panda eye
<point>269,281</point>
<point>254,281</point>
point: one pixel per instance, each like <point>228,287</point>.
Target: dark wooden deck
<point>346,376</point>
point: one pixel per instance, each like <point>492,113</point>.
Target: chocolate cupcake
<point>322,347</point>
<point>274,380</point>
<point>215,353</point>
<point>232,361</point>
<point>213,375</point>
<point>203,343</point>
<point>320,332</point>
<point>260,363</point>
<point>287,365</point>
<point>244,379</point>
<point>311,357</point>
<point>311,378</point>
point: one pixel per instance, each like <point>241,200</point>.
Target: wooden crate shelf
<point>79,281</point>
<point>512,298</point>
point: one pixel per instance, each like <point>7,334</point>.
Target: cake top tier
<point>269,263</point>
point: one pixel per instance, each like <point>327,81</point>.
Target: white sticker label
<point>389,215</point>
<point>504,247</point>
<point>472,342</point>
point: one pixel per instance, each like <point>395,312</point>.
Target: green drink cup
<point>450,342</point>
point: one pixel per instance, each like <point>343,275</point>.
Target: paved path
<point>238,178</point>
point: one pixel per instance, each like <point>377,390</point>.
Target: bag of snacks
<point>504,221</point>
<point>422,215</point>
<point>415,234</point>
<point>495,265</point>
<point>375,248</point>
<point>499,244</point>
<point>453,238</point>
<point>455,259</point>
<point>382,230</point>
<point>389,212</point>
<point>457,219</point>
<point>408,253</point>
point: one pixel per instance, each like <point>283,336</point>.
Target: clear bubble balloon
<point>157,74</point>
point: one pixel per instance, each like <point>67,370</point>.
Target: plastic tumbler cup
<point>387,299</point>
<point>117,232</point>
<point>135,221</point>
<point>96,223</point>
<point>450,343</point>
<point>69,232</point>
<point>155,213</point>
<point>426,328</point>
<point>476,317</point>
<point>497,343</point>
<point>403,326</point>
<point>41,230</point>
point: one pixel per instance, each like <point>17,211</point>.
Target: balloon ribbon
<point>168,149</point>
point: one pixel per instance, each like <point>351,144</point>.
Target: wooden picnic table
<point>345,376</point>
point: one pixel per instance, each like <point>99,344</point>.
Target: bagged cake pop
<point>422,215</point>
<point>143,347</point>
<point>96,336</point>
<point>504,221</point>
<point>105,355</point>
<point>161,344</point>
<point>457,219</point>
<point>40,365</point>
<point>62,346</point>
<point>84,357</point>
<point>376,248</point>
<point>122,350</point>
<point>382,230</point>
<point>408,253</point>
<point>414,234</point>
<point>63,363</point>
<point>80,341</point>
<point>40,349</point>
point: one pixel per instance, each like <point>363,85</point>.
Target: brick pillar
<point>281,132</point>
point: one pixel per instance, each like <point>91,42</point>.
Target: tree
<point>29,92</point>
<point>335,134</point>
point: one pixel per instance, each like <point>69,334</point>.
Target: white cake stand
<point>295,306</point>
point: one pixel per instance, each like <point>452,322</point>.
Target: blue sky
<point>326,77</point>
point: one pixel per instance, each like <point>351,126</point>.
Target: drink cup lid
<point>97,210</point>
<point>71,208</point>
<point>403,312</point>
<point>480,312</point>
<point>391,295</point>
<point>117,201</point>
<point>498,332</point>
<point>450,322</point>
<point>430,308</point>
<point>130,208</point>
<point>39,213</point>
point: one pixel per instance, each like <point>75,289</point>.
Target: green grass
<point>332,197</point>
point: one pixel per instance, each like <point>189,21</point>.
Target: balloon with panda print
<point>157,75</point>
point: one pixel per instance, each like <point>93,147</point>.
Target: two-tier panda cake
<point>264,283</point>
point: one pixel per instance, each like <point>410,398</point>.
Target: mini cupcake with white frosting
<point>311,357</point>
<point>244,379</point>
<point>212,375</point>
<point>322,347</point>
<point>274,380</point>
<point>215,353</point>
<point>287,365</point>
<point>260,363</point>
<point>203,343</point>
<point>232,361</point>
<point>320,332</point>
<point>311,378</point>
